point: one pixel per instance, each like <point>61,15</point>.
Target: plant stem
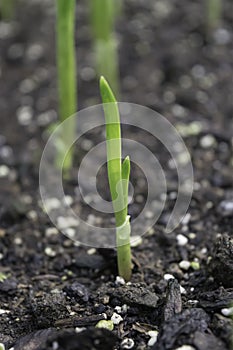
<point>66,64</point>
<point>118,176</point>
<point>103,16</point>
<point>214,10</point>
<point>7,9</point>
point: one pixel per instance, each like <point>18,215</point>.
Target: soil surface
<point>53,292</point>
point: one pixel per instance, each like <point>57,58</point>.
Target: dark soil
<point>53,292</point>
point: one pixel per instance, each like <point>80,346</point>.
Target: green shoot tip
<point>106,92</point>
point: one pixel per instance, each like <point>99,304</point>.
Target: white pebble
<point>227,311</point>
<point>51,231</point>
<point>66,222</point>
<point>32,214</point>
<point>55,345</point>
<point>4,171</point>
<point>118,309</point>
<point>182,290</point>
<point>50,252</point>
<point>181,240</point>
<point>135,241</point>
<point>68,200</point>
<point>185,347</point>
<point>51,204</point>
<point>18,241</point>
<point>91,251</point>
<point>80,329</point>
<point>71,232</point>
<point>2,311</point>
<point>184,265</point>
<point>24,115</point>
<point>153,337</point>
<point>186,219</point>
<point>192,302</point>
<point>168,276</point>
<point>116,319</point>
<point>119,281</point>
<point>149,214</point>
<point>207,141</point>
<point>127,343</point>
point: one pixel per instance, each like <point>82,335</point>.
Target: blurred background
<point>170,59</point>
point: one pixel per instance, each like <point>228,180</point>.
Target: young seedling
<point>66,66</point>
<point>118,177</point>
<point>214,12</point>
<point>103,15</point>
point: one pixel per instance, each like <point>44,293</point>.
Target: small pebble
<point>34,52</point>
<point>127,343</point>
<point>91,251</point>
<point>27,86</point>
<point>66,222</point>
<point>225,208</point>
<point>2,346</point>
<point>107,324</point>
<point>119,281</point>
<point>116,319</point>
<point>185,347</point>
<point>71,232</point>
<point>168,276</point>
<point>18,241</point>
<point>2,311</point>
<point>227,311</point>
<point>118,309</point>
<point>193,302</point>
<point>222,36</point>
<point>207,141</point>
<point>55,345</point>
<point>192,235</point>
<point>183,290</point>
<point>178,111</point>
<point>195,265</point>
<point>51,231</point>
<point>184,265</point>
<point>24,115</point>
<point>4,171</point>
<point>68,200</point>
<point>80,329</point>
<point>181,240</point>
<point>50,252</point>
<point>46,118</point>
<point>135,241</point>
<point>186,219</point>
<point>149,214</point>
<point>51,204</point>
<point>32,215</point>
<point>153,337</point>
